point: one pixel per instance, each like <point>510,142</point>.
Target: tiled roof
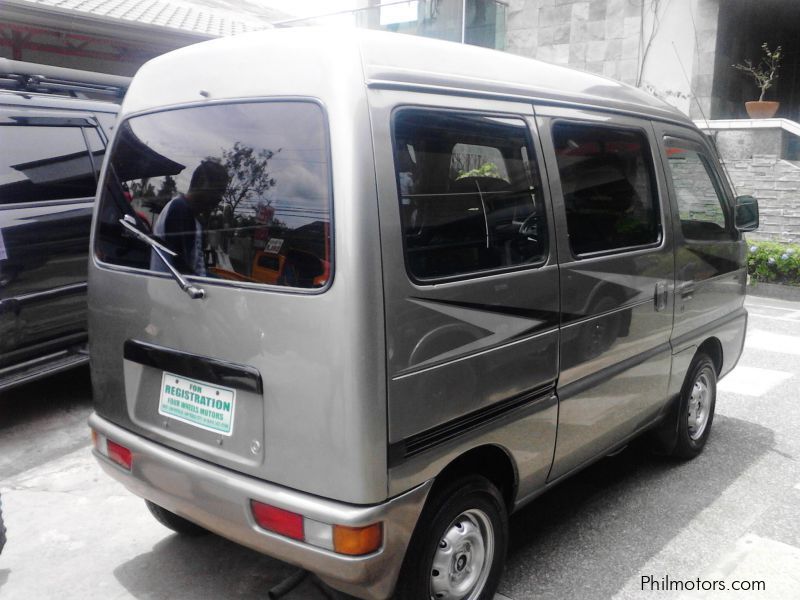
<point>204,19</point>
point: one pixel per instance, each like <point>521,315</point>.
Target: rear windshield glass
<point>239,192</point>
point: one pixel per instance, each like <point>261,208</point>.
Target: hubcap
<point>463,558</point>
<point>699,406</point>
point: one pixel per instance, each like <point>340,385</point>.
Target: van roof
<point>311,60</point>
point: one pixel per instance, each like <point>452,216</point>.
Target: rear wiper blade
<point>194,292</point>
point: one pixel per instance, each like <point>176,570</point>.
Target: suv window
<point>470,200</point>
<point>46,163</point>
<point>608,183</point>
<point>239,191</point>
<point>701,202</point>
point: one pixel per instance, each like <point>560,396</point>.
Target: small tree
<point>766,71</point>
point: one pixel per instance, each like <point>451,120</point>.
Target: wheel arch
<point>713,348</point>
<point>491,461</point>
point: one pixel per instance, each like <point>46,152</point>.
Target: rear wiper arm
<point>194,292</point>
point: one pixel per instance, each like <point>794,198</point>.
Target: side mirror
<point>746,210</point>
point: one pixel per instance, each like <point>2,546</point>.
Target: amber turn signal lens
<point>357,541</point>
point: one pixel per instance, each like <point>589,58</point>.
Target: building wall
<point>775,183</point>
<point>660,45</point>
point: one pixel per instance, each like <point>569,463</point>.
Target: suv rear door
<point>48,177</point>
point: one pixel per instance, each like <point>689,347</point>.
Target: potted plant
<point>765,72</point>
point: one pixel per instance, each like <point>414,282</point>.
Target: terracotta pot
<point>761,109</point>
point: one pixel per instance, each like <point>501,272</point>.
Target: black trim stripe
<point>425,440</point>
<point>573,389</point>
<point>203,368</point>
<point>699,333</point>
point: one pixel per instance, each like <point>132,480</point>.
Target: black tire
<point>172,521</point>
<point>691,440</point>
<point>454,516</point>
<point>2,528</point>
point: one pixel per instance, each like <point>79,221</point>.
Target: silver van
<point>356,297</point>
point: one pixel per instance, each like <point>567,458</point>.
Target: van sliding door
<point>470,281</point>
<point>616,275</point>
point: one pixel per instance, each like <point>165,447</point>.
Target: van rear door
<point>257,373</point>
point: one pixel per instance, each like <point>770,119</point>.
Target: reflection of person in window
<point>178,224</point>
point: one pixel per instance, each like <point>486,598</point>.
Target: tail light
<point>352,541</point>
<point>116,453</point>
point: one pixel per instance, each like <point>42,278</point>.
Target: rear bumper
<point>219,500</point>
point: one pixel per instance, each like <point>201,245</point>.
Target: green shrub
<point>774,262</point>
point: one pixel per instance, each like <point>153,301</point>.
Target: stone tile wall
<point>605,37</point>
<point>776,184</point>
<point>599,36</point>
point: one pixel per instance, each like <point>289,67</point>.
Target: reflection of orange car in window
<point>300,260</point>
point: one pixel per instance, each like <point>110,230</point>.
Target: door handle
<point>660,296</point>
<point>687,293</point>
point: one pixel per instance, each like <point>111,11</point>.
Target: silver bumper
<point>219,500</point>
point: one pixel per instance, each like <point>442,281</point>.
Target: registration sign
<point>197,403</point>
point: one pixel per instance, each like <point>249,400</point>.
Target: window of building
<point>701,203</point>
<point>470,199</point>
<point>45,163</point>
<point>609,187</point>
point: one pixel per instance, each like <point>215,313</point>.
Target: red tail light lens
<point>119,454</point>
<point>278,520</point>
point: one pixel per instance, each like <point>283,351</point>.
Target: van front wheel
<point>698,401</point>
<point>459,545</point>
<point>172,521</point>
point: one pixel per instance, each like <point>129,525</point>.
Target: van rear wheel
<point>172,521</point>
<point>459,545</point>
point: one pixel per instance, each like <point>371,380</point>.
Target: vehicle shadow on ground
<point>69,390</point>
<point>210,567</point>
<point>589,535</point>
<point>52,410</point>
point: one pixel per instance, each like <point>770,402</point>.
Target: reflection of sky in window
<point>189,136</point>
<point>32,144</point>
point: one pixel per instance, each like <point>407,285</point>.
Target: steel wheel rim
<point>699,406</point>
<point>463,558</point>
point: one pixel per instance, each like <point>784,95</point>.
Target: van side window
<point>701,203</point>
<point>45,163</point>
<point>470,199</point>
<point>609,188</point>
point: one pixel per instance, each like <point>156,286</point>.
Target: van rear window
<point>239,192</point>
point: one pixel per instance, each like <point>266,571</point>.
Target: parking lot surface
<point>620,529</point>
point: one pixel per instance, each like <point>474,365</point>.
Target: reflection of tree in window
<point>249,172</point>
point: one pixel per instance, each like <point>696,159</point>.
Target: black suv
<point>51,148</point>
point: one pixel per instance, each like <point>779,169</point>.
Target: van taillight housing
<point>116,453</point>
<point>352,541</point>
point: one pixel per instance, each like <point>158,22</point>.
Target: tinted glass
<point>609,187</point>
<point>44,163</point>
<point>469,195</point>
<point>239,191</point>
<point>701,204</point>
